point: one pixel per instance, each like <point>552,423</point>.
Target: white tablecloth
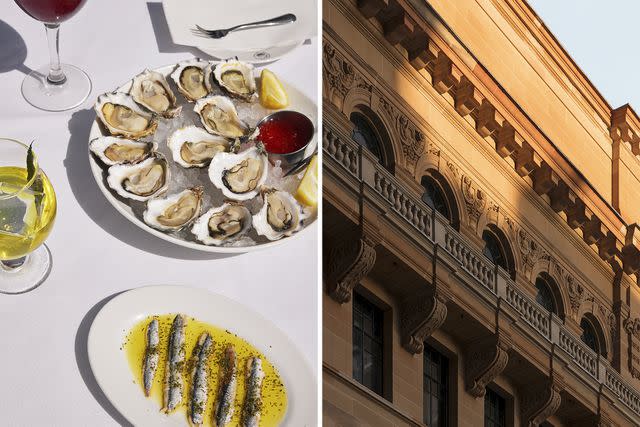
<point>44,373</point>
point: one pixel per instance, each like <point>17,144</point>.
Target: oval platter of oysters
<point>201,153</point>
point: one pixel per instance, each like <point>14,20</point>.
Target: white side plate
<point>255,45</point>
<point>111,368</point>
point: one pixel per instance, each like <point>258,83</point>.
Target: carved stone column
<point>349,261</point>
<point>486,359</point>
<point>540,401</point>
<point>420,315</point>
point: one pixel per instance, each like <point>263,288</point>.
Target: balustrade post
<point>502,280</point>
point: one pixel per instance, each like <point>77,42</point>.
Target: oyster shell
<point>115,151</point>
<point>175,211</point>
<point>140,181</point>
<point>151,90</point>
<point>239,176</point>
<point>122,116</point>
<point>280,216</point>
<point>236,77</point>
<point>222,224</point>
<point>220,117</point>
<point>190,79</point>
<point>192,146</point>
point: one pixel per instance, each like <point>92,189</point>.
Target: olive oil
<point>274,395</point>
<point>26,217</point>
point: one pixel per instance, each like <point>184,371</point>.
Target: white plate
<point>255,45</point>
<point>111,368</point>
<point>297,101</point>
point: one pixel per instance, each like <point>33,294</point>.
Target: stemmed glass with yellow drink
<point>27,213</point>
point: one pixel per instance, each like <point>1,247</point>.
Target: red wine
<point>50,11</point>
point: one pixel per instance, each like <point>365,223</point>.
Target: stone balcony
<point>358,171</point>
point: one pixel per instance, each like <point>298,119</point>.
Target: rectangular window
<point>494,409</point>
<point>367,343</point>
<point>435,388</point>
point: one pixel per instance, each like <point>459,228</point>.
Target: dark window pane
<point>367,344</point>
<point>589,336</point>
<point>434,196</point>
<point>435,393</point>
<point>494,410</point>
<point>544,297</point>
<point>493,249</point>
<point>364,134</point>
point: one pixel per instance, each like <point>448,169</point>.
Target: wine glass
<point>27,213</point>
<point>56,87</point>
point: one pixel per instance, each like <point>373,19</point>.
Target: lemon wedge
<point>272,94</point>
<point>308,189</point>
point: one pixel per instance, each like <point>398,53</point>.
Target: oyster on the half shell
<point>280,216</point>
<point>236,77</point>
<point>140,181</point>
<point>220,117</point>
<point>190,79</point>
<point>115,151</point>
<point>151,90</point>
<point>192,146</point>
<point>222,224</point>
<point>122,116</point>
<point>175,211</point>
<point>240,175</point>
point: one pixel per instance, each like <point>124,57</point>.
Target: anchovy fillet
<point>200,387</point>
<point>173,381</point>
<point>150,356</point>
<point>227,389</point>
<point>253,398</point>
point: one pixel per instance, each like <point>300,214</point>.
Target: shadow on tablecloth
<point>82,361</point>
<point>93,202</point>
<point>13,50</point>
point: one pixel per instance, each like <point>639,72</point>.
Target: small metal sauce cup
<point>287,159</point>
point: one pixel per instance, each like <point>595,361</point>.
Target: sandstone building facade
<point>481,252</point>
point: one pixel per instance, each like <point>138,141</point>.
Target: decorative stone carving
<point>419,317</point>
<point>540,401</point>
<point>412,139</point>
<point>530,250</point>
<point>350,261</point>
<point>485,361</point>
<point>340,75</point>
<point>632,328</point>
<point>577,292</point>
<point>474,198</point>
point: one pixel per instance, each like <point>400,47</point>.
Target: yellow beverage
<point>26,217</point>
<point>274,394</point>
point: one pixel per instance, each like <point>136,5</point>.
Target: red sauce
<point>286,132</point>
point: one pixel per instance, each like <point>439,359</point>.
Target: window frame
<point>378,314</point>
<point>442,194</point>
<point>501,407</point>
<point>443,385</point>
<point>376,128</point>
<point>549,284</point>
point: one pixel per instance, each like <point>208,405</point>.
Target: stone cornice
<point>547,170</point>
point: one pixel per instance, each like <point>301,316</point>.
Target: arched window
<point>364,134</point>
<point>435,197</point>
<point>368,131</point>
<point>592,335</point>
<point>545,296</point>
<point>494,250</point>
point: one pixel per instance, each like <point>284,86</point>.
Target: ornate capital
<point>350,261</point>
<point>540,401</point>
<point>486,359</point>
<point>419,317</point>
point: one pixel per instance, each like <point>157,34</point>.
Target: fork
<point>217,34</point>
